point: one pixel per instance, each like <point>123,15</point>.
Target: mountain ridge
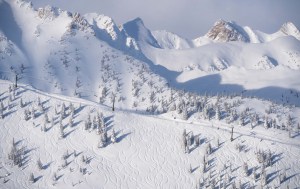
<point>64,43</point>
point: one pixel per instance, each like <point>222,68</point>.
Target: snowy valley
<point>87,103</point>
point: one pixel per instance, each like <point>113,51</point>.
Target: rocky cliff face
<point>224,31</point>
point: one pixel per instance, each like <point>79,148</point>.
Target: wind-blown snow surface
<point>71,54</point>
<point>148,152</point>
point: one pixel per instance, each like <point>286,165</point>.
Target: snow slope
<point>148,152</point>
<point>159,84</point>
<point>168,40</point>
<point>242,64</point>
<point>72,54</point>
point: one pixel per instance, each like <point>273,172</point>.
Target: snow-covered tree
<point>62,111</point>
<point>46,118</point>
<point>39,164</point>
<point>39,101</point>
<point>21,103</point>
<point>172,107</point>
<point>54,177</point>
<point>31,178</point>
<point>61,132</point>
<point>254,120</point>
<point>263,178</point>
<point>208,149</point>
<point>246,170</point>
<point>71,122</point>
<point>113,136</point>
<point>1,113</point>
<point>52,122</point>
<point>33,113</point>
<point>218,113</point>
<point>289,122</point>
<point>184,114</point>
<point>266,122</point>
<point>101,143</point>
<point>2,106</point>
<point>282,176</point>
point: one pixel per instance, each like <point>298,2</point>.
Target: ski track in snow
<point>148,155</point>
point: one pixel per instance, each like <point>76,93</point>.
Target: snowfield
<point>149,151</point>
<point>219,111</point>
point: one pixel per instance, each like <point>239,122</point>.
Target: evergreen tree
<point>71,122</point>
<point>246,170</point>
<point>54,177</point>
<point>21,103</point>
<point>31,178</point>
<point>1,113</point>
<point>218,113</point>
<point>52,122</point>
<point>289,123</point>
<point>46,118</point>
<point>62,111</point>
<point>33,113</point>
<point>40,165</point>
<point>113,136</point>
<point>2,106</point>
<point>266,122</point>
<point>101,142</point>
<point>61,132</point>
<point>184,115</point>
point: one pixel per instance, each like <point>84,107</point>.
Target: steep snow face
<point>107,30</point>
<point>265,63</point>
<point>73,55</point>
<point>168,40</point>
<point>223,31</point>
<point>290,29</point>
<point>104,23</point>
<point>137,30</point>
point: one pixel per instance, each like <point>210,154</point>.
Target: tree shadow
<point>79,109</point>
<point>46,166</point>
<point>19,92</point>
<point>288,178</point>
<point>276,157</point>
<point>59,176</point>
<point>68,133</point>
<point>272,176</point>
<point>194,169</point>
<point>9,113</point>
<point>76,123</point>
<point>38,178</point>
<point>108,120</point>
<point>120,138</point>
<point>18,142</point>
<point>45,101</point>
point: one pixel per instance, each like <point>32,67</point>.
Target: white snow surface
<point>160,84</point>
<point>148,152</point>
<point>66,53</point>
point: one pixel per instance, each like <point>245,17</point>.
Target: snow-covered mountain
<point>168,40</point>
<point>62,52</point>
<point>234,58</point>
<point>99,105</point>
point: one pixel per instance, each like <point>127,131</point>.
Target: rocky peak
<point>224,31</point>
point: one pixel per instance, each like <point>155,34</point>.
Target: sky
<point>189,18</point>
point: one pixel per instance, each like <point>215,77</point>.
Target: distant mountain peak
<point>289,28</point>
<point>224,31</point>
<point>138,31</point>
